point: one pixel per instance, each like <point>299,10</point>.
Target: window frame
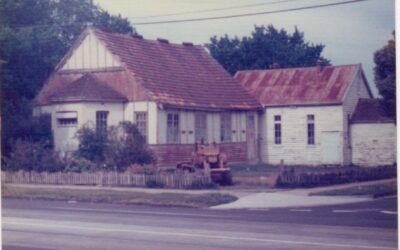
<point>200,127</point>
<point>310,129</point>
<point>102,121</point>
<point>62,116</point>
<point>142,124</point>
<point>226,127</point>
<point>277,129</point>
<point>173,131</point>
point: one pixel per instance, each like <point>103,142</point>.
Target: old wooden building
<point>306,112</point>
<point>177,94</point>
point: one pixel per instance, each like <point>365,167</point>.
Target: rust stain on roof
<point>299,86</point>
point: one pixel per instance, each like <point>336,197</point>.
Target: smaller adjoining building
<point>373,135</point>
<point>306,113</point>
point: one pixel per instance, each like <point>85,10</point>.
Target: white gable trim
<point>90,53</point>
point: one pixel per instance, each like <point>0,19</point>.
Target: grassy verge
<point>119,197</point>
<point>376,190</point>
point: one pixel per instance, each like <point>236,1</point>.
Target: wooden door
<point>251,138</point>
<point>331,148</point>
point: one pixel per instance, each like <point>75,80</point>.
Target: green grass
<point>376,190</point>
<point>120,197</point>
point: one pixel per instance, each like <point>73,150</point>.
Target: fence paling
<point>102,178</point>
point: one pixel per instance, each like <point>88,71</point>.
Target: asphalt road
<point>31,225</point>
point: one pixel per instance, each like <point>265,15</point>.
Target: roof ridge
<point>137,36</point>
<point>296,68</point>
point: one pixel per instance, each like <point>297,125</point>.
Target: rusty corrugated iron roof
<point>87,88</point>
<point>299,86</point>
<point>370,111</point>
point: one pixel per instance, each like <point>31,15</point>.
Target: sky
<point>350,32</point>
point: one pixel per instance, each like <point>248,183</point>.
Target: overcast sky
<point>350,32</point>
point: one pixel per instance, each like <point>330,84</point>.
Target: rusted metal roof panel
<point>299,86</point>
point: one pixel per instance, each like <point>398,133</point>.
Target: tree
<point>266,46</point>
<point>385,75</point>
<point>34,36</point>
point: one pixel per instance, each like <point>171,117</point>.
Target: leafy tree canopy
<point>34,36</point>
<point>385,74</point>
<point>266,46</point>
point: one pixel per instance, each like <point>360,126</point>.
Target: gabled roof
<point>319,85</point>
<point>87,88</point>
<point>371,111</point>
<point>178,75</point>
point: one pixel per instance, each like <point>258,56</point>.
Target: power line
<point>248,14</point>
<point>217,9</point>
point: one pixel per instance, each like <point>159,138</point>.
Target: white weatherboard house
<point>177,94</point>
<point>307,114</point>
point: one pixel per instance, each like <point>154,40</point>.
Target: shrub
<point>33,156</point>
<point>91,144</point>
<point>79,165</point>
<point>119,148</point>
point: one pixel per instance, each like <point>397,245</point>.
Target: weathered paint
<point>358,89</point>
<point>91,54</point>
<point>64,136</point>
<point>373,144</point>
<point>294,149</point>
<point>187,126</point>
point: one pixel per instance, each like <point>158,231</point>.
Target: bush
<point>91,144</point>
<point>79,165</point>
<point>121,147</point>
<point>33,156</point>
<point>201,185</point>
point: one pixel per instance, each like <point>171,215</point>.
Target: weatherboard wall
<point>373,144</point>
<point>65,136</point>
<point>294,149</point>
<point>90,54</point>
<point>358,89</point>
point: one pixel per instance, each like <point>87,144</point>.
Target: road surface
<point>32,225</point>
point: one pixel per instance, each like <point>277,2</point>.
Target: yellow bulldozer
<point>208,160</point>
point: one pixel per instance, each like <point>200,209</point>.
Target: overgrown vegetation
<point>385,75</point>
<point>117,149</point>
<point>34,36</point>
<point>33,156</point>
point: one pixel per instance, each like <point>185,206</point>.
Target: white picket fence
<point>167,180</point>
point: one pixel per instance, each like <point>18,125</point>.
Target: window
<point>173,128</point>
<point>67,118</point>
<point>141,123</point>
<point>226,127</point>
<point>310,130</point>
<point>101,121</point>
<point>200,127</point>
<point>278,129</point>
<point>67,121</point>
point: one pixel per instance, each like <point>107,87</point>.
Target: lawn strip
<point>374,190</point>
<point>119,197</point>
